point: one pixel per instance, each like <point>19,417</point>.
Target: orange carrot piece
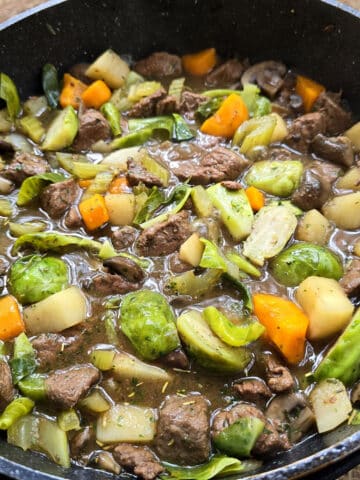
<point>11,322</point>
<point>285,324</point>
<point>96,94</point>
<point>94,212</point>
<point>85,183</point>
<point>225,121</point>
<point>309,90</point>
<point>255,197</point>
<point>71,91</point>
<point>200,63</point>
<point>119,185</point>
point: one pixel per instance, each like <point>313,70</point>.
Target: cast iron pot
<point>320,37</point>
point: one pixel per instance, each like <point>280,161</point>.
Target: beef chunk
<point>66,387</point>
<point>231,185</point>
<point>146,107</point>
<point>159,65</point>
<point>139,460</point>
<point>83,442</point>
<point>334,149</point>
<point>177,265</point>
<point>176,359</point>
<point>4,265</point>
<point>109,284</point>
<point>270,441</point>
<point>350,282</point>
<point>225,74</point>
<point>190,102</point>
<point>73,218</point>
<point>137,174</point>
<point>278,377</point>
<point>165,237</point>
<point>167,105</point>
<point>303,130</point>
<point>7,392</point>
<point>123,237</point>
<point>217,165</point>
<point>312,192</point>
<point>252,390</point>
<point>183,430</point>
<point>125,267</point>
<point>93,127</point>
<point>57,197</point>
<point>25,165</point>
<point>337,119</point>
<point>326,170</point>
<point>49,346</point>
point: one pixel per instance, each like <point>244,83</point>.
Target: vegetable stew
<point>179,264</point>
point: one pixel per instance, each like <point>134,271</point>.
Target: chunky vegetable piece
<point>227,118</point>
<point>344,211</point>
<point>94,212</point>
<point>240,437</point>
<point>256,132</point>
<point>71,91</point>
<point>62,130</point>
<point>11,322</point>
<point>199,63</point>
<point>276,177</point>
<point>309,91</point>
<point>96,94</point>
<point>285,324</point>
<point>109,67</point>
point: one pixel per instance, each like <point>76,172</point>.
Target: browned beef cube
<point>57,197</point>
<point>138,460</point>
<point>159,65</point>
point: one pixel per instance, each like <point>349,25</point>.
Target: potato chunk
<point>121,208</point>
<point>344,211</point>
<point>314,228</point>
<point>325,303</point>
<point>191,250</point>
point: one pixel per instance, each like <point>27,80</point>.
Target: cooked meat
<point>57,197</point>
<point>25,165</point>
<point>146,107</point>
<point>225,74</point>
<point>73,218</point>
<point>138,460</point>
<point>219,164</point>
<point>167,105</point>
<point>183,430</point>
<point>176,265</point>
<point>231,185</point>
<point>159,65</point>
<point>66,387</point>
<point>350,282</point>
<point>78,71</point>
<point>82,442</point>
<point>51,346</point>
<point>270,441</point>
<point>164,237</point>
<point>109,284</point>
<point>190,102</point>
<point>278,376</point>
<point>325,170</point>
<point>337,119</point>
<point>7,391</point>
<point>136,174</point>
<point>303,130</point>
<point>312,192</point>
<point>4,265</point>
<point>176,359</point>
<point>334,149</point>
<point>125,267</point>
<point>123,237</point>
<point>93,127</point>
<point>252,390</point>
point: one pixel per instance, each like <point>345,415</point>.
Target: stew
<point>179,265</point>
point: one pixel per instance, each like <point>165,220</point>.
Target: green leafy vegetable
<point>50,84</point>
<point>209,470</point>
<point>181,130</point>
<point>210,107</point>
<point>31,187</point>
<point>149,323</point>
<point>154,200</point>
<point>23,362</point>
<point>17,408</point>
<point>188,283</point>
<point>112,115</point>
<point>9,93</point>
<point>240,437</point>
<point>18,229</point>
<point>162,122</point>
<point>33,386</point>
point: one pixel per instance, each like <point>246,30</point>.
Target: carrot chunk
<point>96,94</point>
<point>71,91</point>
<point>94,212</point>
<point>200,63</point>
<point>309,90</point>
<point>11,322</point>
<point>119,185</point>
<point>256,198</point>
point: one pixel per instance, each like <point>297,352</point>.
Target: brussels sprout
<point>276,177</point>
<point>35,277</point>
<point>239,438</point>
<point>303,260</point>
<point>62,130</point>
<point>149,323</point>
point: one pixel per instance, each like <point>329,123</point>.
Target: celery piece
<point>68,420</point>
<point>262,107</point>
<point>140,90</point>
<point>31,187</point>
<point>9,93</point>
<point>220,92</point>
<point>181,130</point>
<point>153,166</point>
<point>103,359</point>
<point>112,115</point>
<point>138,137</point>
<point>32,128</point>
<point>81,169</point>
<point>62,130</point>
<point>201,201</point>
<point>120,100</point>
<point>133,78</point>
<point>50,84</point>
<point>110,327</point>
<point>35,106</point>
<point>6,209</point>
<point>17,408</point>
<point>254,133</point>
<point>176,87</point>
<point>235,210</point>
<point>243,264</point>
<point>95,402</point>
<point>100,184</point>
<point>188,283</point>
<point>33,386</point>
<point>250,95</point>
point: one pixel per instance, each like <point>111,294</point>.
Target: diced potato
<point>344,211</point>
<point>57,312</point>
<point>314,228</point>
<point>95,402</point>
<point>127,366</point>
<point>325,303</point>
<point>126,423</point>
<point>331,404</point>
<point>191,250</point>
<point>280,130</point>
<point>121,208</point>
<point>354,134</point>
<point>351,180</point>
<point>109,67</point>
<point>119,158</point>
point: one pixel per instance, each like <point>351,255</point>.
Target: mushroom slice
<point>268,75</point>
